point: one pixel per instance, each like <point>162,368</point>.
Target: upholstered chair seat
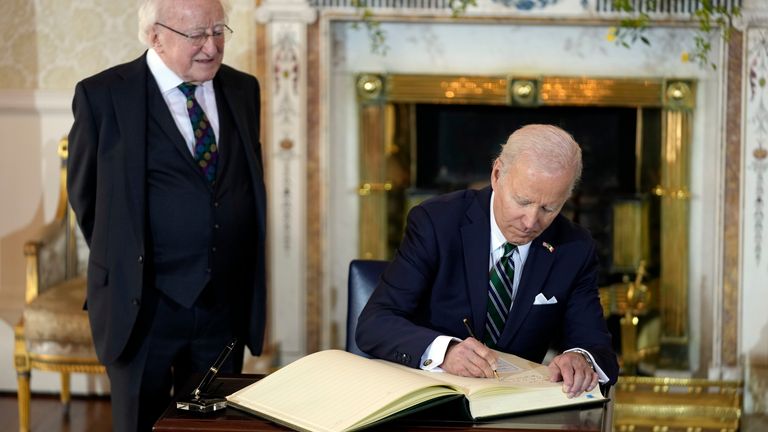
<point>56,324</point>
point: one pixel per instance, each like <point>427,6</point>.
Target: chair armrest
<point>47,258</point>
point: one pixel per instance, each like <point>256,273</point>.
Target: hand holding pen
<point>472,334</point>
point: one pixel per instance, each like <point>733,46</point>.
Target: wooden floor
<point>46,414</point>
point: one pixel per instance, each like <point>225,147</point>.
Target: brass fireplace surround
<point>378,95</point>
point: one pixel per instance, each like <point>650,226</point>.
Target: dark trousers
<point>169,346</point>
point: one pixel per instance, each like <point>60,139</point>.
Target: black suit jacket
<point>106,185</point>
<point>439,276</point>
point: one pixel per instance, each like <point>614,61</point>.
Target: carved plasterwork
<point>285,85</point>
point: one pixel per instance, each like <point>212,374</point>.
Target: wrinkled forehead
<point>192,13</point>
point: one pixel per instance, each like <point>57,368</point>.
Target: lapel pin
<point>548,246</point>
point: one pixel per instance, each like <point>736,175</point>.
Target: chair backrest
<point>58,252</point>
<point>364,275</point>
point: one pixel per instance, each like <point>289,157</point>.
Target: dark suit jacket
<point>106,184</point>
<point>440,276</point>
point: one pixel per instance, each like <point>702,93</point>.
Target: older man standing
<point>166,180</point>
<point>504,259</point>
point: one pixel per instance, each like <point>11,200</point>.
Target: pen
<point>214,369</point>
<point>472,335</point>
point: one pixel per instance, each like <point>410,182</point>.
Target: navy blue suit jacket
<point>439,276</point>
<point>107,190</point>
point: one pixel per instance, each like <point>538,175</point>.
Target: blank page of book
<point>333,391</point>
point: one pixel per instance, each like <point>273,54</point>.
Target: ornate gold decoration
<point>676,404</point>
<point>631,229</point>
<point>367,188</point>
<point>660,191</point>
<point>369,86</point>
<point>600,92</point>
<point>675,175</point>
<point>375,122</point>
<point>457,89</point>
<point>638,298</point>
<point>523,92</point>
<point>497,90</point>
<point>679,95</point>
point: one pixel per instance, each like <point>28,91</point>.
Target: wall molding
<point>40,101</point>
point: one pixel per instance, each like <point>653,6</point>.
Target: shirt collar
<point>167,79</point>
<point>497,238</point>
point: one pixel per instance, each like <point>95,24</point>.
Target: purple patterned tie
<point>206,152</point>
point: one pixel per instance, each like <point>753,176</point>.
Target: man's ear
<point>154,41</point>
<point>495,173</point>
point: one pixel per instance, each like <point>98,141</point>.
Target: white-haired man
<point>166,180</point>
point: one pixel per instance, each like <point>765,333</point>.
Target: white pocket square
<point>543,300</point>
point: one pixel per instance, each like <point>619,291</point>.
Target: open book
<point>338,391</point>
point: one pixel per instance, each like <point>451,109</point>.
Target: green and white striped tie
<point>502,279</point>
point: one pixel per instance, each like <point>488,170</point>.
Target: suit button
<point>136,302</point>
<point>216,204</point>
<point>213,249</point>
<point>216,226</point>
<point>141,259</point>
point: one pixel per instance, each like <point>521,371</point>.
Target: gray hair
<point>551,150</point>
<point>149,10</point>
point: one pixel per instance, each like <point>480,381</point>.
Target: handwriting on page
<point>503,366</point>
<point>512,373</point>
<point>525,378</point>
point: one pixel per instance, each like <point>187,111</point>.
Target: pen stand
<point>199,401</point>
<point>202,404</point>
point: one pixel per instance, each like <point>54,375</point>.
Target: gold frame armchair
<point>53,333</point>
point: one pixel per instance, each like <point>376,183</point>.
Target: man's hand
<point>574,371</point>
<point>469,358</point>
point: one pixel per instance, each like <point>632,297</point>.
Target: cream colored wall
<point>52,44</point>
<point>46,47</point>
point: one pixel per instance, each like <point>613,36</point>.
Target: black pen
<point>213,370</point>
<point>472,335</point>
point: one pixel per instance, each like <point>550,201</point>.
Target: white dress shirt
<point>168,82</point>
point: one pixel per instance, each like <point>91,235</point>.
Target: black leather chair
<point>364,275</point>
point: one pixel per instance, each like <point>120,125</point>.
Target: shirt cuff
<point>602,378</point>
<point>435,353</point>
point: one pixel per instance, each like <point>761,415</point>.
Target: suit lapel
<point>535,272</point>
<point>231,96</point>
<point>129,99</point>
<point>476,241</point>
<point>158,110</point>
<point>225,139</point>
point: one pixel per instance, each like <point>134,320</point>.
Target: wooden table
<point>588,419</point>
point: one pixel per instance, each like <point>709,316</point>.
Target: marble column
<point>285,143</point>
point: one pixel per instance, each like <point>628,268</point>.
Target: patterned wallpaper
<point>52,44</point>
<point>17,44</point>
